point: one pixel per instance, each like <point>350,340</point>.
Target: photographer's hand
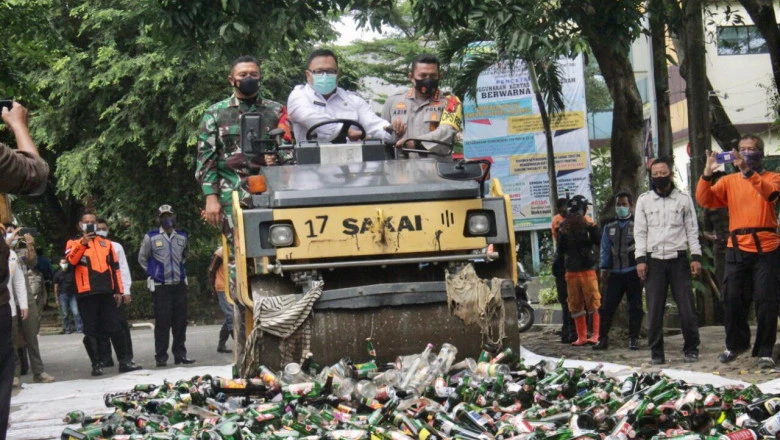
<point>16,120</point>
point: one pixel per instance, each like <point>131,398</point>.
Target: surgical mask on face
<point>324,83</point>
<point>248,86</point>
<point>103,234</point>
<point>167,223</point>
<point>753,159</point>
<point>622,211</point>
<point>426,86</point>
<point>63,266</point>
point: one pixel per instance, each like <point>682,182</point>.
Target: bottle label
<point>742,434</point>
<point>772,425</point>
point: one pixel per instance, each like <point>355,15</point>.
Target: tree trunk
<point>551,174</point>
<point>762,13</point>
<point>721,128</point>
<point>661,76</point>
<point>626,145</point>
<point>696,89</point>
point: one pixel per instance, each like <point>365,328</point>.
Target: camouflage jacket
<point>222,167</point>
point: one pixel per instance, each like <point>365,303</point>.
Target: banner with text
<point>505,124</point>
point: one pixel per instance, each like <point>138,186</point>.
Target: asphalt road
<point>65,358</point>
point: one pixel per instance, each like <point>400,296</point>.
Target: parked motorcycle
<point>525,313</point>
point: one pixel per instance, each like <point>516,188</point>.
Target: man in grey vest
<point>163,254</point>
<point>618,270</point>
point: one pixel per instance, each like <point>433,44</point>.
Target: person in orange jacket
<point>99,288</point>
<point>753,253</point>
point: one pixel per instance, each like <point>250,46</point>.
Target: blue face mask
<point>324,83</point>
<point>168,223</point>
<point>622,211</point>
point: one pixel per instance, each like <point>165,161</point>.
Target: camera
<point>31,231</point>
<point>726,157</point>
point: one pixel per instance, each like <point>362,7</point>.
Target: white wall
<point>738,76</point>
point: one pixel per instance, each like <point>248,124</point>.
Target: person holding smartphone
<point>753,253</point>
<point>99,287</point>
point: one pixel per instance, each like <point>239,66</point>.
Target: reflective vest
<point>623,245</point>
<point>96,268</point>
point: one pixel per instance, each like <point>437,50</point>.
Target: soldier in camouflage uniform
<point>221,167</point>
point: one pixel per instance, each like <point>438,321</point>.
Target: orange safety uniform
<point>750,201</point>
<point>96,266</point>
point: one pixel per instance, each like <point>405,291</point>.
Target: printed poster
<point>504,124</point>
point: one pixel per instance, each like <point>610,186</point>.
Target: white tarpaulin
<point>37,411</point>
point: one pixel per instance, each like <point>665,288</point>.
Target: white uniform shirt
<point>665,225</point>
<point>306,107</point>
<point>124,269</point>
<point>16,284</point>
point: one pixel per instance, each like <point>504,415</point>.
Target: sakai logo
<point>353,226</point>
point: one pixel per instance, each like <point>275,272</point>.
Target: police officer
<point>163,254</point>
<point>422,112</point>
<point>618,270</point>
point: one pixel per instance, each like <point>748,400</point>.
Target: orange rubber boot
<point>581,325</point>
<point>596,322</point>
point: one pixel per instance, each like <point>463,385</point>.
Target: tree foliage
<point>116,89</point>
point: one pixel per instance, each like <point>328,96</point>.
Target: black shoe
<point>657,360</point>
<point>128,367</point>
<point>223,349</point>
<point>109,364</point>
<point>162,363</point>
<point>184,361</point>
<point>728,356</point>
<point>97,370</point>
<point>691,357</point>
<point>633,344</point>
<point>601,345</point>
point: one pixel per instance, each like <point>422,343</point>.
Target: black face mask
<point>662,183</point>
<point>248,86</point>
<point>426,86</point>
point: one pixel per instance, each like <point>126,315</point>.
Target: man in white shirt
<point>665,229</point>
<point>18,289</point>
<point>126,363</point>
<point>320,99</point>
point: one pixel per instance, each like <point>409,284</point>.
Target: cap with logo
<point>164,209</point>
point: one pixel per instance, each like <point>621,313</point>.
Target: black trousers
<point>662,274</point>
<point>751,277</point>
<point>170,317</point>
<point>620,284</point>
<point>124,353</point>
<point>99,314</point>
<point>559,272</point>
<point>6,367</point>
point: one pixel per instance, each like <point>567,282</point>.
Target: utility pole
<point>696,89</point>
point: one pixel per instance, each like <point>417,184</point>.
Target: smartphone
<point>725,157</point>
<point>7,103</point>
<point>89,229</point>
<point>31,231</point>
